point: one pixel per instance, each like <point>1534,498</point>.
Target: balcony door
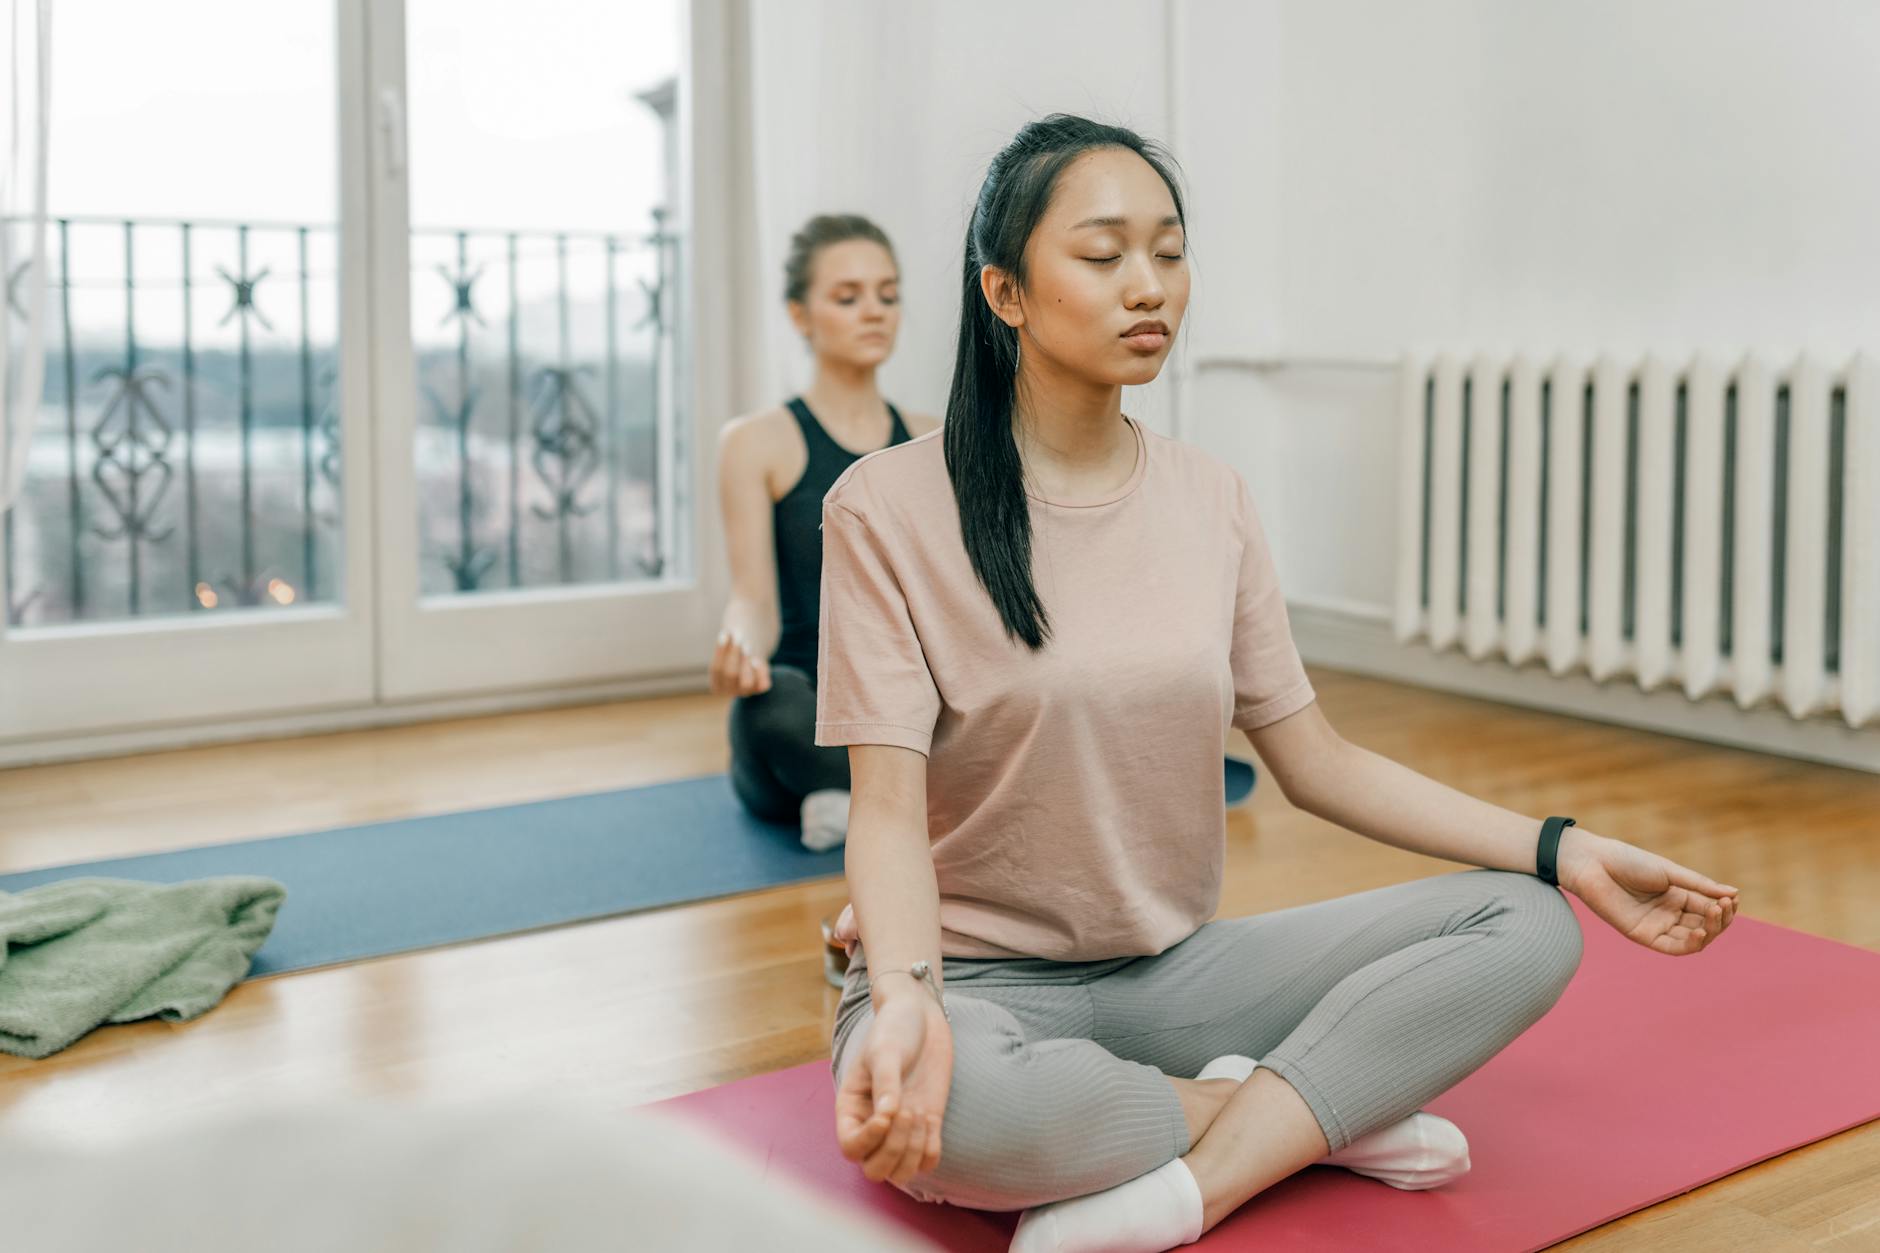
<point>364,382</point>
<point>194,542</point>
<point>532,443</point>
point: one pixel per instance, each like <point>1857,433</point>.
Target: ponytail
<point>982,460</point>
<point>981,449</point>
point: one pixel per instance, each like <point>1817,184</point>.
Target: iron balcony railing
<point>184,465</point>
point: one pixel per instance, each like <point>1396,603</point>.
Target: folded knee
<point>1552,942</point>
<point>998,1181</point>
<point>986,1159</point>
<point>996,1148</point>
<point>770,718</point>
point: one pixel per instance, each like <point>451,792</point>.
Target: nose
<point>1146,289</point>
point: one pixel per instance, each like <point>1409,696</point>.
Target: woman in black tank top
<point>841,287</point>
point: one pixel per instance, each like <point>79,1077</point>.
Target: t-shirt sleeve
<point>872,681</point>
<point>1269,678</point>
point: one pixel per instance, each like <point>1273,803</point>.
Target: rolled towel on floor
<point>79,953</point>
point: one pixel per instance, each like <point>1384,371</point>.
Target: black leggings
<point>775,761</point>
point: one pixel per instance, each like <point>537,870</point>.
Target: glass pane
<point>541,273</point>
<point>186,456</point>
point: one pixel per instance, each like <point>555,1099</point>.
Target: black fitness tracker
<point>1547,856</point>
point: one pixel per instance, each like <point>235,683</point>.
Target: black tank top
<point>796,523</point>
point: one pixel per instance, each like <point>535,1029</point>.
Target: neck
<point>1070,432</point>
<point>845,397</point>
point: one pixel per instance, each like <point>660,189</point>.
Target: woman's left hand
<point>1650,900</point>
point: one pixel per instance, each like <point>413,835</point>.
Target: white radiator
<point>1710,524</point>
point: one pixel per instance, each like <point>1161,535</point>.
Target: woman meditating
<point>842,289</point>
<point>1037,626</point>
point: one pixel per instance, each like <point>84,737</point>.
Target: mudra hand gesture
<point>894,1093</point>
<point>1650,900</point>
<point>735,669</point>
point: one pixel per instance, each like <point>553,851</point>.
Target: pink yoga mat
<point>1652,1076</point>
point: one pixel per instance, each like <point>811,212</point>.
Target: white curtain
<point>23,236</point>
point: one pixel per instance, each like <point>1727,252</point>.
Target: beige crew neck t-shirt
<point>1074,794</point>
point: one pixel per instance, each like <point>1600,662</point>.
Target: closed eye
<point>1106,260</point>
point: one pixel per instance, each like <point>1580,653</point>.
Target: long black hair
<point>981,450</point>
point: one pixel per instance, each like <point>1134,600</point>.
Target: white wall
<point>893,111</point>
<point>1364,177</point>
<point>1368,177</point>
<point>1580,174</point>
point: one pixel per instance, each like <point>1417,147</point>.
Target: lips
<point>1146,336</point>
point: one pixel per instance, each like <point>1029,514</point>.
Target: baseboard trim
<point>1359,638</point>
<point>347,718</point>
<point>1338,635</point>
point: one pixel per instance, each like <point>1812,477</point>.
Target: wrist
<point>747,627</point>
<point>891,986</point>
<point>1578,852</point>
<point>919,1003</point>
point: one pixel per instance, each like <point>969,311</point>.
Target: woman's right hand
<point>846,930</point>
<point>894,1094</point>
<point>734,670</point>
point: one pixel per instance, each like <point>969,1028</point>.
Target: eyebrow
<point>1170,220</point>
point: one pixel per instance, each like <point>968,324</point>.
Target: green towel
<point>81,952</point>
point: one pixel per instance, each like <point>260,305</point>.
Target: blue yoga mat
<point>1239,778</point>
<point>391,887</point>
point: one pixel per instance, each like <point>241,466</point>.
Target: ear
<point>1001,293</point>
<point>799,317</point>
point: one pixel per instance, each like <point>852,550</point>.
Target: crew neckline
<point>1128,486</point>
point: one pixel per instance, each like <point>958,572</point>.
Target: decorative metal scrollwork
<point>469,564</point>
<point>13,285</point>
<point>244,294</point>
<point>565,424</point>
<point>133,444</point>
<point>461,282</point>
<point>327,427</point>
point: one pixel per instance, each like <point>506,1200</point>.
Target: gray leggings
<point>1370,1005</point>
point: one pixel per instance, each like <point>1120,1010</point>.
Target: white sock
<point>825,818</point>
<point>1231,1066</point>
<point>1150,1213</point>
<point>1414,1153</point>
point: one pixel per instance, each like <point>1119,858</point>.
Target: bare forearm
<point>896,897</point>
<point>1393,804</point>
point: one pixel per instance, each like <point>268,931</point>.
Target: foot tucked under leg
<point>1414,1153</point>
<point>825,818</point>
<point>1153,1212</point>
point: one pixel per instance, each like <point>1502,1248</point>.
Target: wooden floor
<point>652,1005</point>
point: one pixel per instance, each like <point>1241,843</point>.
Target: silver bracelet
<point>922,971</point>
